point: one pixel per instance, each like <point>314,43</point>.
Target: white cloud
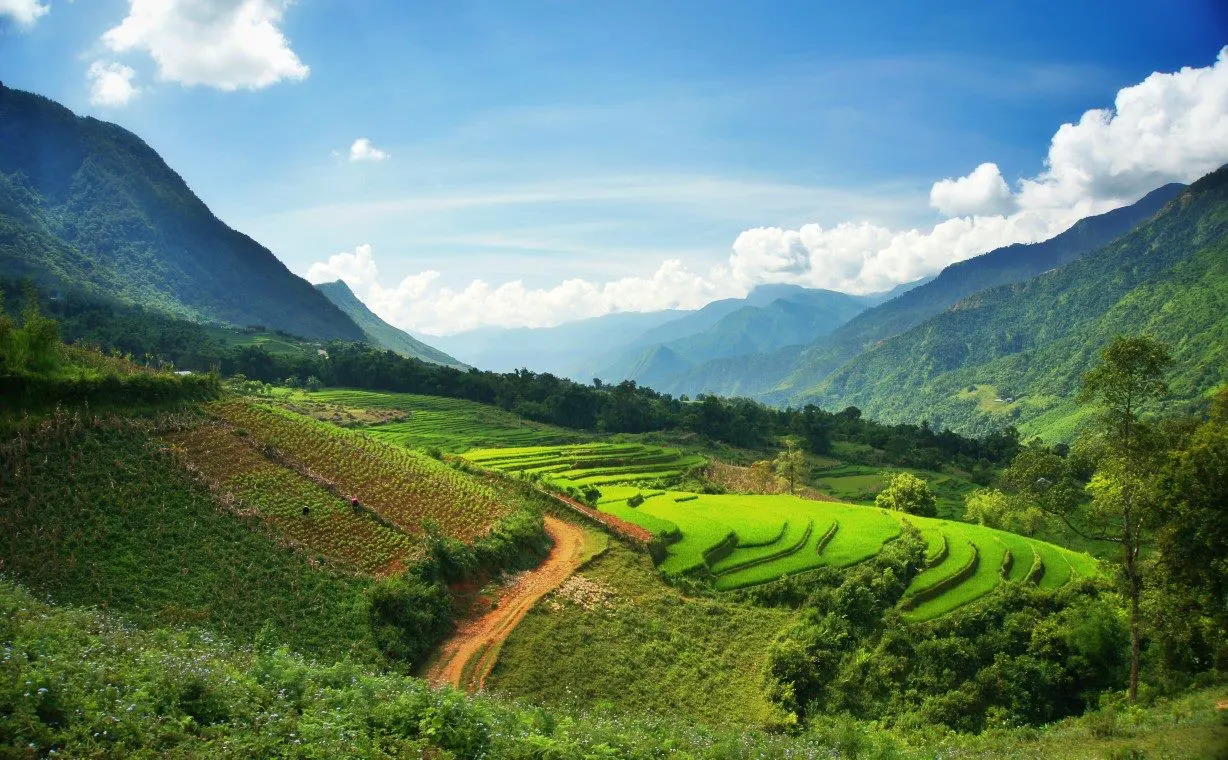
<point>981,193</point>
<point>24,12</point>
<point>363,150</point>
<point>357,269</point>
<point>227,44</point>
<point>1167,128</point>
<point>111,83</point>
<point>1170,127</point>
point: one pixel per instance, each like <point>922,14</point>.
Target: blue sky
<point>544,142</point>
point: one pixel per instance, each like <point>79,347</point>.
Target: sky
<point>526,163</point>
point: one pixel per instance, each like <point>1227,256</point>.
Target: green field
<point>861,483</point>
<point>591,464</point>
<point>433,422</point>
<point>742,540</point>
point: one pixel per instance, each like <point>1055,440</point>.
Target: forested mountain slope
<point>797,317</point>
<point>85,203</point>
<point>1016,353</point>
<point>379,332</point>
<point>778,376</point>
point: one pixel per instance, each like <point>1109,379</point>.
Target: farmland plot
<point>402,486</point>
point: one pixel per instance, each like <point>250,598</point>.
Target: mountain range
<point>1001,338</point>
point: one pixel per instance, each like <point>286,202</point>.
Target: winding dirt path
<point>465,659</point>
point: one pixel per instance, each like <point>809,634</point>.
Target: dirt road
<point>466,658</point>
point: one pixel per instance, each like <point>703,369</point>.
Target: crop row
<point>305,513</point>
<point>403,486</point>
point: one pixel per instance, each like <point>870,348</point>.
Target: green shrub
<point>409,614</point>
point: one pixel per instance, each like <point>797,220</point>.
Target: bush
<point>908,493</point>
<point>408,615</point>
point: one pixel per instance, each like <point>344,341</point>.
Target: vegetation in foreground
<point>77,682</point>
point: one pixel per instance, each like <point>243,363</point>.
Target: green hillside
<point>779,375</point>
<point>379,332</point>
<point>797,317</point>
<point>1016,354</point>
<point>87,204</point>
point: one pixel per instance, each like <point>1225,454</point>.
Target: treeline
<point>622,408</point>
<point>158,339</point>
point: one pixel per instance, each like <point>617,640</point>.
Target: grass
<point>84,683</point>
<point>648,649</point>
<point>861,483</point>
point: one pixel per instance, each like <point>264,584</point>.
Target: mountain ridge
<point>87,203</point>
<point>379,332</point>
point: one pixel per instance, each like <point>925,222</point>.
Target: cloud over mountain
<point>1171,127</point>
<point>225,44</point>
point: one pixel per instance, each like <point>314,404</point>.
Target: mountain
<point>778,377</point>
<point>87,204</point>
<point>771,317</point>
<point>1017,353</point>
<point>379,332</point>
<point>794,315</point>
<point>570,350</point>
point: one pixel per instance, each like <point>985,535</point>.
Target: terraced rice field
<point>403,487</point>
<point>590,464</point>
<point>742,540</point>
<point>447,424</point>
<point>331,528</point>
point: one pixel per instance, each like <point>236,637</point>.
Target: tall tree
<point>1128,453</point>
<point>791,464</point>
<point>1129,376</point>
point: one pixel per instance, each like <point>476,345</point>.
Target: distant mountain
<point>87,204</point>
<point>570,350</point>
<point>793,315</point>
<point>379,332</point>
<point>1017,353</point>
<point>769,318</point>
<point>780,376</point>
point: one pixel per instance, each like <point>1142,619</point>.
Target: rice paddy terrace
<point>741,540</point>
<point>590,464</point>
<point>737,540</point>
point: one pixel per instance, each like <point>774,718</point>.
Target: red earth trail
<point>477,641</point>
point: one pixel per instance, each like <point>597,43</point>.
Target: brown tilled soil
<point>466,658</point>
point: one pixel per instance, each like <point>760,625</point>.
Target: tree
<point>908,493</point>
<point>790,464</point>
<point>1190,604</point>
<point>1127,452</point>
<point>1123,490</point>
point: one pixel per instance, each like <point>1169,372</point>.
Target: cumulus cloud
<point>24,12</point>
<point>420,302</point>
<point>981,193</point>
<point>357,269</point>
<point>226,44</point>
<point>111,84</point>
<point>1168,128</point>
<point>363,150</point>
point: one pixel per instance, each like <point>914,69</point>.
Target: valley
<point>919,496</point>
